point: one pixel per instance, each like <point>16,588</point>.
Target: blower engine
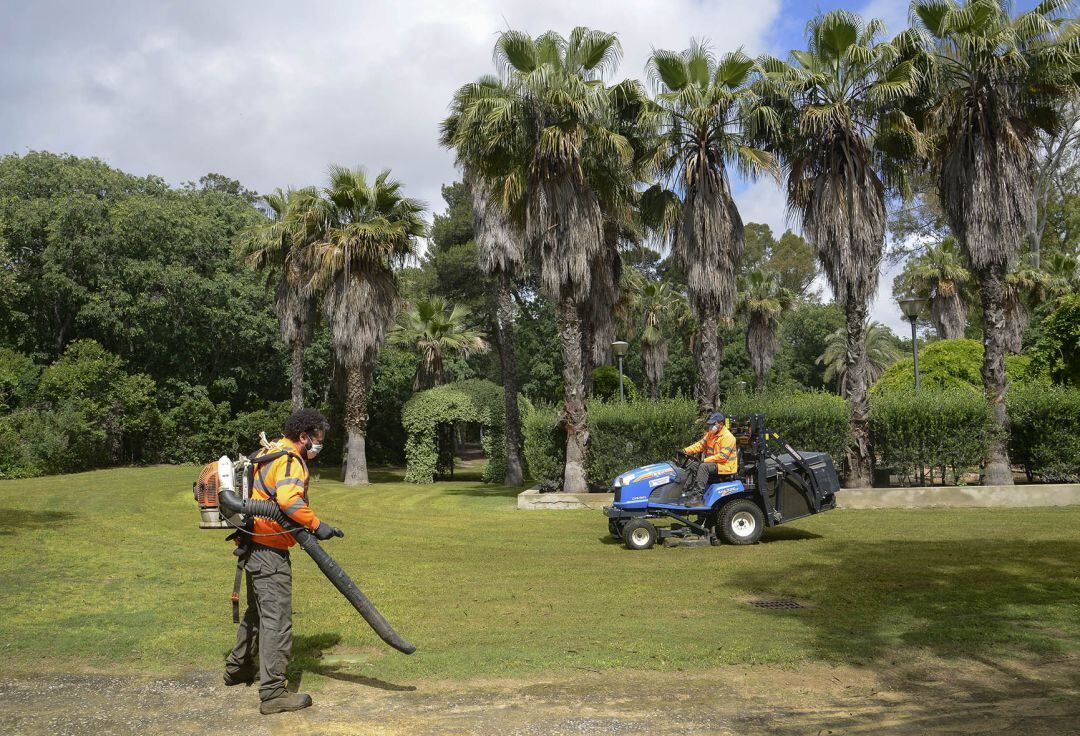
<point>221,507</point>
<point>215,476</point>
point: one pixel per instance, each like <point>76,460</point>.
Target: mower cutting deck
<point>776,484</point>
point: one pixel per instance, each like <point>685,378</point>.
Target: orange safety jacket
<point>717,447</point>
<point>285,480</point>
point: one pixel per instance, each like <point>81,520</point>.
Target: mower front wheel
<point>741,522</point>
<point>639,534</point>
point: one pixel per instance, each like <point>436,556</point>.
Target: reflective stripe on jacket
<point>284,479</point>
<point>717,447</point>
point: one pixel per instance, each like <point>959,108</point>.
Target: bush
<point>949,364</point>
<point>38,442</point>
<point>606,384</point>
<point>473,400</point>
<point>544,444</point>
<point>1057,349</point>
<point>18,379</point>
<point>944,430</point>
<point>809,420</point>
<point>1045,431</point>
<point>624,436</point>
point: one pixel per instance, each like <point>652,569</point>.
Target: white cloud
<point>271,93</point>
<point>764,201</point>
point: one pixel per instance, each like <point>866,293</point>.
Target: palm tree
<point>358,233</point>
<point>276,247</point>
<point>763,301</point>
<point>881,352</point>
<point>992,81</point>
<point>435,329</point>
<point>842,138</point>
<point>657,304</point>
<point>556,115</point>
<point>940,275</point>
<point>498,242</point>
<point>707,115</point>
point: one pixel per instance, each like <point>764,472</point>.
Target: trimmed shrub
<point>948,364</point>
<point>1045,431</point>
<point>624,436</point>
<point>943,431</point>
<point>809,420</point>
<point>545,444</point>
<point>473,400</point>
<point>606,384</point>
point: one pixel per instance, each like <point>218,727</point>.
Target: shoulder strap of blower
<point>258,478</point>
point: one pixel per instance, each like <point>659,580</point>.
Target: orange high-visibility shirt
<point>717,447</point>
<point>284,479</point>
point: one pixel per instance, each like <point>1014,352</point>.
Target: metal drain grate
<point>783,603</point>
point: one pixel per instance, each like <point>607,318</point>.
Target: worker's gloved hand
<point>324,531</point>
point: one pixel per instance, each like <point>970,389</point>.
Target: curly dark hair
<point>304,420</point>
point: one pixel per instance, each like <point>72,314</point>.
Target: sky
<point>272,93</point>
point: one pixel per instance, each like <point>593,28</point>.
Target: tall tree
<point>763,301</point>
<point>940,275</point>
<point>359,231</point>
<point>707,115</point>
<point>435,329</point>
<point>992,81</point>
<point>499,243</point>
<point>655,306</point>
<point>557,113</point>
<point>276,247</point>
<point>842,136</point>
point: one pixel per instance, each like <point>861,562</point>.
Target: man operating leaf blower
<point>281,475</point>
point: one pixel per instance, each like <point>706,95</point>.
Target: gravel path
<point>967,697</point>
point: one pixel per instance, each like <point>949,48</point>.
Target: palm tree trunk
<point>858,454</point>
<point>1017,319</point>
<point>357,383</point>
<point>949,315</point>
<point>708,362</point>
<point>504,338</point>
<point>574,417</point>
<point>588,366</point>
<point>997,470</point>
<point>297,375</point>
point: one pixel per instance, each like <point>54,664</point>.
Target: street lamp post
<point>912,307</point>
<point>619,348</point>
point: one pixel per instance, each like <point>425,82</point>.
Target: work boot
<point>239,677</point>
<point>285,703</point>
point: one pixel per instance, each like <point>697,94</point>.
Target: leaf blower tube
<point>333,572</point>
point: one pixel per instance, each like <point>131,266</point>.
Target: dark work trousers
<point>266,628</point>
<point>704,472</point>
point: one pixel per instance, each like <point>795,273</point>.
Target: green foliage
<point>812,420</point>
<point>391,388</point>
<point>804,335</point>
<point>1045,431</point>
<point>944,430</point>
<point>474,400</point>
<point>544,444</point>
<point>42,442</point>
<point>948,364</point>
<point>145,270</point>
<point>19,377</point>
<point>1057,349</point>
<point>624,436</point>
<point>606,384</point>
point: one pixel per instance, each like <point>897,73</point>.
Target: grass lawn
<point>108,571</point>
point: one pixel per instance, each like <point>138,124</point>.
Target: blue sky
<point>273,92</point>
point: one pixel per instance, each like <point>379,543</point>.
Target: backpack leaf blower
<point>222,508</point>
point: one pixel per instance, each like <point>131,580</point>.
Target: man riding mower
<point>745,478</point>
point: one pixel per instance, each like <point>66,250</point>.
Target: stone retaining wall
<point>1059,494</point>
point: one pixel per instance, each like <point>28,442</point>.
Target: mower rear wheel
<point>741,522</point>
<point>639,534</point>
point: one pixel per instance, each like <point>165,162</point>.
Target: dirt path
<point>968,697</point>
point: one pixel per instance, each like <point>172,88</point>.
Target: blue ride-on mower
<point>775,484</point>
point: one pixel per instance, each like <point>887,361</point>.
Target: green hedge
<point>949,364</point>
<point>1045,431</point>
<point>472,400</point>
<point>809,420</point>
<point>944,433</point>
<point>544,444</point>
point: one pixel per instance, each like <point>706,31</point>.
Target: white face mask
<point>314,450</point>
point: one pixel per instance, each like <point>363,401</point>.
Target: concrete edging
<point>1021,496</point>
